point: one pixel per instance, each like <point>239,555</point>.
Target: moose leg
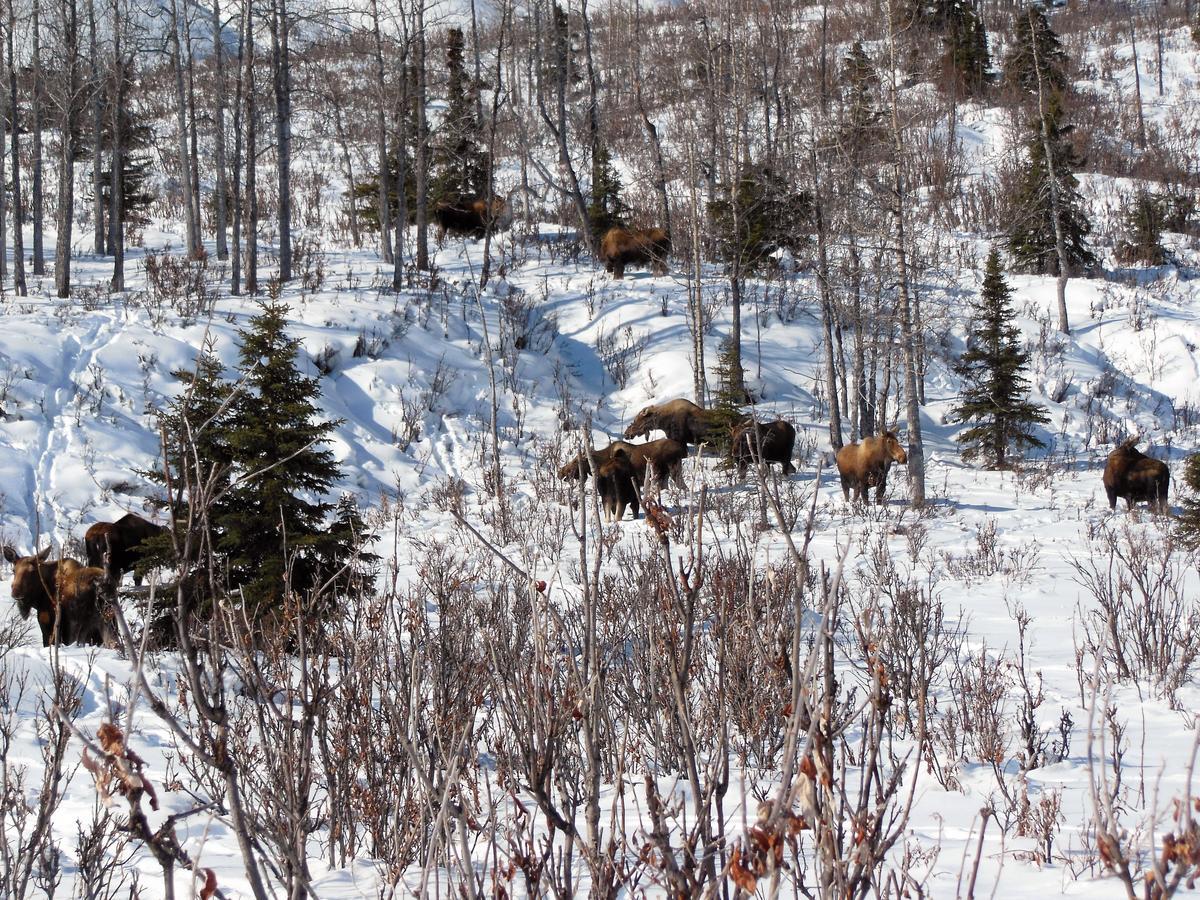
<point>46,624</point>
<point>1112,498</point>
<point>618,269</point>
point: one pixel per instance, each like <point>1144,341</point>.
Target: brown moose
<point>616,485</point>
<point>1136,477</point>
<point>865,465</point>
<point>123,538</point>
<point>664,456</point>
<point>621,247</point>
<point>680,420</point>
<point>470,216</point>
<point>774,440</point>
<point>64,590</point>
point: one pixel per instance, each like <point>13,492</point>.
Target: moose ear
<point>10,554</point>
<point>45,553</point>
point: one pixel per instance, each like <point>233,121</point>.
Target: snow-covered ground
<point>81,384</point>
<point>406,377</point>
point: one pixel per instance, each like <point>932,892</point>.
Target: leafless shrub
<point>1145,625</point>
<point>179,283</point>
<point>620,353</point>
<point>990,557</point>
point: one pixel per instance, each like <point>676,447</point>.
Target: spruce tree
<point>761,213</point>
<point>1030,237</point>
<point>1144,221</point>
<point>1188,526</point>
<point>1032,34</point>
<point>605,209</point>
<point>196,463</point>
<point>862,128</point>
<point>965,57</point>
<point>283,469</point>
<point>995,392</point>
<point>460,166</point>
<point>725,413</point>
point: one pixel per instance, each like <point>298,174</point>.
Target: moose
<point>1133,475</point>
<point>124,540</point>
<point>621,247</point>
<point>616,486</point>
<point>470,216</point>
<point>773,440</point>
<point>865,465</point>
<point>680,420</point>
<point>69,598</point>
<point>664,456</point>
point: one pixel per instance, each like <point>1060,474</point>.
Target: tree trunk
<point>116,187</point>
<point>251,161</point>
<point>421,162</point>
<point>219,135</point>
<point>400,233</point>
<point>39,254</point>
<point>827,310</point>
<point>193,142</point>
<point>557,126</point>
<point>12,112</point>
<point>66,156</point>
<point>281,67</point>
<point>1060,242</point>
<point>97,130</point>
<point>185,174</point>
<point>660,169</point>
<point>383,204</point>
<point>18,216</point>
<point>916,446</point>
<point>235,262</point>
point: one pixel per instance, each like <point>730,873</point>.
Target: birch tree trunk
<point>916,446</point>
<point>251,163</point>
<point>39,253</point>
<point>383,205</point>
<point>421,162</point>
<point>18,213</point>
<point>1060,241</point>
<point>97,130</point>
<point>181,127</point>
<point>282,76</point>
<point>68,127</point>
<point>221,200</point>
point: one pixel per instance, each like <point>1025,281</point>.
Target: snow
<point>79,387</point>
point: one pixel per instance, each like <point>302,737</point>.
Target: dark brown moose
<point>470,217</point>
<point>774,440</point>
<point>1136,477</point>
<point>64,590</point>
<point>123,538</point>
<point>664,456</point>
<point>621,247</point>
<point>616,486</point>
<point>865,465</point>
<point>680,420</point>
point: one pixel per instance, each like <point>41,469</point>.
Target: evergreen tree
<point>137,143</point>
<point>760,214</point>
<point>1031,240</point>
<point>275,516</point>
<point>965,57</point>
<point>196,453</point>
<point>726,410</point>
<point>862,131</point>
<point>1032,34</point>
<point>605,209</point>
<point>1143,228</point>
<point>460,166</point>
<point>995,395</point>
<point>1188,526</point>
